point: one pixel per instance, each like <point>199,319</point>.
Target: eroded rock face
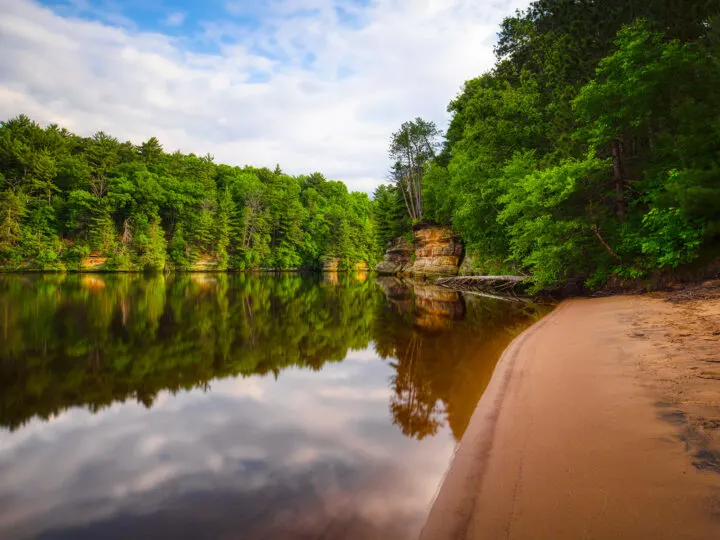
<point>330,264</point>
<point>398,258</point>
<point>438,250</point>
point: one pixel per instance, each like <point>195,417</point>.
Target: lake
<point>235,406</point>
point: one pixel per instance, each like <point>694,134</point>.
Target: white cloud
<point>311,88</point>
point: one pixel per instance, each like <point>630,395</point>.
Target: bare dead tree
<point>412,147</point>
<point>99,185</point>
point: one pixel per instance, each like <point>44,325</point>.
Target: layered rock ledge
<point>398,258</point>
<point>437,250</point>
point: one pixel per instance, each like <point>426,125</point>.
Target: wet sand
<point>601,421</point>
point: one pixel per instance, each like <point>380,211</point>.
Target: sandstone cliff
<point>437,250</point>
<point>398,258</point>
<point>332,264</point>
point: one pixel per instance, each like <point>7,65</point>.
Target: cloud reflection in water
<point>299,457</point>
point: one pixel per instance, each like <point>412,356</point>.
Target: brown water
<point>235,406</point>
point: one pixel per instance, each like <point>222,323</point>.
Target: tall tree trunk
<point>407,202</point>
<point>419,193</point>
<point>410,181</point>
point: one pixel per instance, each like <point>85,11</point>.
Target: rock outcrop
<point>93,262</point>
<point>330,264</point>
<point>398,258</point>
<point>438,250</point>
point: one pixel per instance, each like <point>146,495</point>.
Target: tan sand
<point>598,424</point>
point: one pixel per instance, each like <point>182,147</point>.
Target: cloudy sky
<point>309,84</point>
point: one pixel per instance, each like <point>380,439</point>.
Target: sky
<point>312,85</point>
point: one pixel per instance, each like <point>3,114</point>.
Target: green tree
<point>590,150</point>
<point>65,197</point>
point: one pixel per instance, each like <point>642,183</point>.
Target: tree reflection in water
<point>444,347</point>
<point>92,340</point>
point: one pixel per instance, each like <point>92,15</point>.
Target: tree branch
<point>596,230</point>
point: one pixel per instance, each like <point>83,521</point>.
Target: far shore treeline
<point>590,151</point>
<point>65,198</point>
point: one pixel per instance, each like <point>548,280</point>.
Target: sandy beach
<point>601,421</point>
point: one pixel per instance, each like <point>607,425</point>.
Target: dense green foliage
<point>64,198</point>
<point>92,340</point>
<point>591,149</point>
<point>390,215</point>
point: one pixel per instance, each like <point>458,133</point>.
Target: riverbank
<point>601,421</point>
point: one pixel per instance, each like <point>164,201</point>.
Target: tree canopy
<point>591,149</point>
<point>68,201</point>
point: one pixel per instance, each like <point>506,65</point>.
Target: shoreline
<point>191,271</point>
<point>593,426</point>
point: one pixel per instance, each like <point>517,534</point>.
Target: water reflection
<point>443,347</point>
<point>92,340</point>
<point>211,406</point>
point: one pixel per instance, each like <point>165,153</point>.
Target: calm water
<point>235,406</point>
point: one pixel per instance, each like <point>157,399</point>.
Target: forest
<point>71,203</point>
<point>589,152</point>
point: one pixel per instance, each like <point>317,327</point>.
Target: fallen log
<point>472,279</point>
<point>482,283</point>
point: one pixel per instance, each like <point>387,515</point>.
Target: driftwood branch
<point>515,279</point>
<point>483,285</point>
<point>596,230</point>
<point>466,280</point>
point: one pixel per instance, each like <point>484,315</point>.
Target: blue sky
<point>191,22</point>
<point>309,84</point>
